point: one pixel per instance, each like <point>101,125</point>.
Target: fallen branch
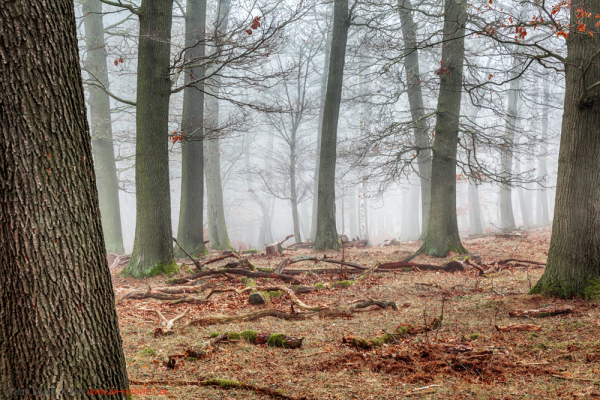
<point>196,263</point>
<point>256,315</point>
<point>371,302</point>
<point>222,383</point>
<point>273,248</point>
<point>139,295</point>
<point>549,311</point>
<point>167,326</point>
<point>521,261</point>
<point>270,339</point>
<point>518,328</point>
<point>284,289</point>
<point>369,343</point>
<point>410,266</point>
<point>235,271</point>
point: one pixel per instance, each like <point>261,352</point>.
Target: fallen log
<point>369,343</point>
<point>451,266</point>
<point>521,261</point>
<point>221,383</point>
<point>270,339</point>
<point>518,328</point>
<point>235,271</point>
<point>256,315</point>
<point>367,303</point>
<point>285,263</point>
<point>549,311</point>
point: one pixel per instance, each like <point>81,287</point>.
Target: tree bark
<point>415,101</point>
<point>190,232</point>
<point>442,234</point>
<point>58,324</point>
<point>410,215</point>
<point>313,225</point>
<point>475,217</point>
<point>101,127</point>
<point>153,243</point>
<point>573,266</point>
<point>327,237</point>
<point>522,201</point>
<point>217,227</point>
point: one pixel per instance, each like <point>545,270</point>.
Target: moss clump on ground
<point>265,270</point>
<point>160,268</point>
<point>276,340</point>
<point>248,282</point>
<point>376,341</point>
<point>250,251</point>
<point>319,286</point>
<point>247,335</point>
<point>592,290</point>
<point>275,293</point>
<point>474,336</point>
<point>224,383</point>
<point>342,284</point>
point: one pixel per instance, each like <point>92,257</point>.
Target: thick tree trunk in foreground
<point>217,227</point>
<point>327,237</point>
<point>442,235</point>
<point>58,323</point>
<point>573,266</point>
<point>153,243</point>
<point>101,127</point>
<point>417,110</point>
<point>315,203</point>
<point>190,232</point>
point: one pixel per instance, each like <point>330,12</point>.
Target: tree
<point>191,213</point>
<point>217,227</point>
<point>153,243</point>
<point>417,110</point>
<point>442,234</point>
<point>573,266</point>
<point>101,127</point>
<point>327,237</point>
<point>58,325</point>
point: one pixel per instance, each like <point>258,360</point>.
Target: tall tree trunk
<point>475,217</point>
<point>442,234</point>
<point>313,226</point>
<point>410,212</point>
<point>58,324</point>
<point>304,219</point>
<point>542,215</point>
<point>507,218</point>
<point>523,201</point>
<point>153,243</point>
<point>293,187</point>
<point>217,227</point>
<point>415,101</point>
<point>190,232</point>
<point>352,214</point>
<point>363,227</point>
<point>101,127</point>
<point>573,266</point>
<point>327,237</point>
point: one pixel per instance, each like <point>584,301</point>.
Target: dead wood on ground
<point>235,271</point>
<point>520,261</point>
<point>518,328</point>
<point>549,311</point>
<point>167,326</point>
<point>270,339</point>
<point>282,288</point>
<point>276,248</point>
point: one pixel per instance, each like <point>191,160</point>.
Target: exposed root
<point>284,289</point>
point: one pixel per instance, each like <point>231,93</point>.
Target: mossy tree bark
<point>58,324</point>
<point>217,227</point>
<point>190,232</point>
<point>573,266</point>
<point>327,237</point>
<point>315,202</point>
<point>101,127</point>
<point>442,234</point>
<point>417,110</point>
<point>153,243</point>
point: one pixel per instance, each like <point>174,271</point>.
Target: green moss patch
<point>342,284</point>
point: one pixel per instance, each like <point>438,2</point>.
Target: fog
<point>271,100</point>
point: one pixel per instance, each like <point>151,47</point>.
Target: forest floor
<point>466,358</point>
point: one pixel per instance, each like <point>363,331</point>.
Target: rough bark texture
<point>315,208</point>
<point>415,100</point>
<point>190,232</point>
<point>573,266</point>
<point>217,227</point>
<point>153,243</point>
<point>327,237</point>
<point>102,139</point>
<point>58,323</point>
<point>442,235</point>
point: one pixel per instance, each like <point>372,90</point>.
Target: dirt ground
<point>466,358</point>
